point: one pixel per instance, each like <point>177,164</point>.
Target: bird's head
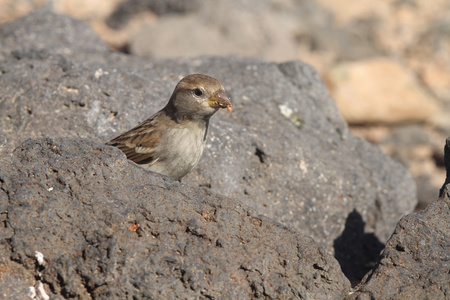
<point>199,96</point>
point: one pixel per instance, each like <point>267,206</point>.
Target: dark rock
<point>16,280</point>
<point>284,150</point>
<point>78,203</point>
<point>447,167</point>
<point>415,263</point>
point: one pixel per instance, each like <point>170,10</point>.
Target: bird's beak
<point>220,100</point>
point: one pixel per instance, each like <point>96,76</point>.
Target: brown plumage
<point>171,141</point>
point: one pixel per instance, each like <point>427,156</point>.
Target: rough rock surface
<point>285,150</point>
<point>324,33</point>
<point>78,202</point>
<point>416,261</point>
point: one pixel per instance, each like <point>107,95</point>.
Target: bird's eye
<point>198,92</point>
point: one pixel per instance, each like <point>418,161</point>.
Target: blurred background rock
<point>386,63</point>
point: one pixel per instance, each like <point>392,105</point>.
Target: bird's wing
<point>139,144</point>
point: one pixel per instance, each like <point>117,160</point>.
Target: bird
<point>171,141</point>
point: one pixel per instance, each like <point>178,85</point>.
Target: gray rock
<point>249,28</point>
<point>284,150</point>
<point>16,280</point>
<point>416,261</point>
<point>75,201</point>
<point>128,9</point>
<point>273,30</point>
<point>312,177</point>
<point>50,32</point>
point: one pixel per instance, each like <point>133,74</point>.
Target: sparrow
<point>172,141</point>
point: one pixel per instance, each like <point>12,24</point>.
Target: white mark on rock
<point>39,257</point>
<point>32,292</point>
<point>303,166</point>
<point>38,292</point>
<point>41,293</point>
<point>96,119</point>
<point>99,73</point>
<point>289,114</point>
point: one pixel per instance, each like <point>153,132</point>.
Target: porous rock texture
<point>285,150</point>
<point>415,263</point>
<point>78,203</point>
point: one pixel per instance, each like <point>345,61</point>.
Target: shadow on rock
<point>355,250</point>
